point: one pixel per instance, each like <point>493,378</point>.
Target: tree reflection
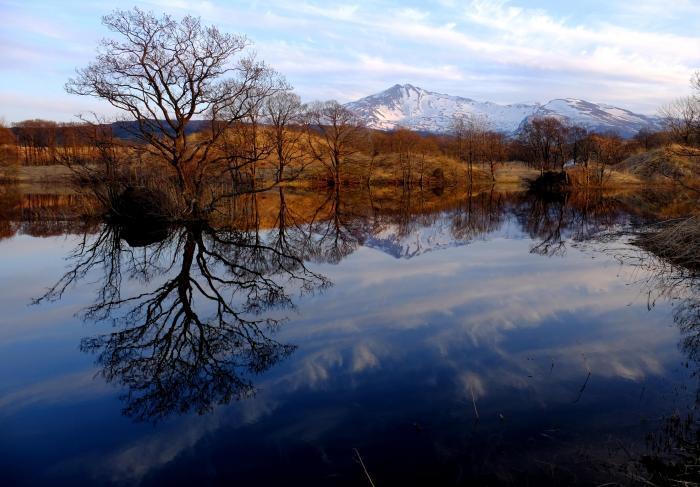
<point>336,230</point>
<point>544,218</point>
<point>673,453</point>
<point>478,214</point>
<point>195,308</point>
<point>200,325</point>
<point>554,220</point>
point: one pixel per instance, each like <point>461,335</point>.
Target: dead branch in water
<point>362,464</point>
<point>476,411</point>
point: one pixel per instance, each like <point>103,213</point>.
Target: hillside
<point>664,164</point>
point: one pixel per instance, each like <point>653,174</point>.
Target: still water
<point>483,339</point>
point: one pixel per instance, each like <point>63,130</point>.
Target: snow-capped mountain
<point>418,109</point>
<point>402,244</point>
<point>597,117</point>
<point>444,231</point>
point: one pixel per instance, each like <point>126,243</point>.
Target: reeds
<point>677,241</point>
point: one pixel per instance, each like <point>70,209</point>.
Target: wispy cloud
<point>638,56</point>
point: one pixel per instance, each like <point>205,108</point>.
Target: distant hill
<point>418,109</point>
<point>126,129</point>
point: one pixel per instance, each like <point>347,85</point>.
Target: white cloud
<point>605,56</point>
<point>638,57</point>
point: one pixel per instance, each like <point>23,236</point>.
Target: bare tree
<point>579,144</point>
<point>8,145</point>
<point>164,74</point>
<point>37,141</point>
<point>244,148</point>
<point>545,142</point>
<point>469,134</point>
<point>647,138</point>
<point>682,119</point>
<point>284,113</point>
<point>580,148</point>
<point>375,142</point>
<point>607,150</point>
<point>426,145</point>
<point>334,133</point>
<point>406,144</point>
<point>494,151</point>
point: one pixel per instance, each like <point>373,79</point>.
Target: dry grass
<point>515,173</point>
<point>389,171</point>
<point>658,166</point>
<point>664,164</point>
<point>580,177</point>
<point>35,174</point>
<point>618,178</point>
<point>677,242</point>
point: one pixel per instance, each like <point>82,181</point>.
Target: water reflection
<point>199,327</point>
<point>201,323</point>
<point>444,305</point>
<point>673,455</point>
<point>343,220</point>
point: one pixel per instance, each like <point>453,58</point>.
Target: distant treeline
<point>544,143</point>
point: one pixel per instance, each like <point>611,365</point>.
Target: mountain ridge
<point>418,109</point>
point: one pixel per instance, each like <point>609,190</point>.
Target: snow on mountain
<point>399,243</point>
<point>440,233</point>
<point>597,117</point>
<point>418,109</point>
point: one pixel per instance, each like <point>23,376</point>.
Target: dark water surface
<point>492,339</point>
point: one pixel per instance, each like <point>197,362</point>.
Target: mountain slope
<point>597,117</point>
<point>418,109</point>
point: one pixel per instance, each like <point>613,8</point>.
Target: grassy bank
<point>661,166</point>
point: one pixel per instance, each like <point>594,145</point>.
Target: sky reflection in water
<point>487,342</point>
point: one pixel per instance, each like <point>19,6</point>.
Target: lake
<point>410,338</point>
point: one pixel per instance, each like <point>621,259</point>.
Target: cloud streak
<point>498,50</point>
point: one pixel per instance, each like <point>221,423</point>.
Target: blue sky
<point>637,55</point>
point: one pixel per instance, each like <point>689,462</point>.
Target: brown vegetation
<point>665,164</point>
<point>677,241</point>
